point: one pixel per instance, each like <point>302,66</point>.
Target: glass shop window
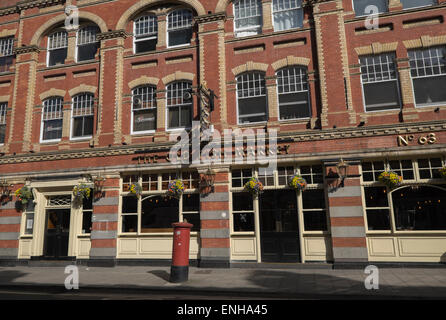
<point>285,174</point>
<point>420,208</point>
<point>87,212</point>
<point>158,214</point>
<point>371,170</point>
<point>312,174</point>
<point>377,208</point>
<point>129,214</point>
<point>403,167</point>
<point>150,182</point>
<point>191,210</point>
<point>127,181</point>
<point>315,218</point>
<point>242,212</point>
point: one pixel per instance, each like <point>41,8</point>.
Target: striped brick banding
<point>347,221</point>
<point>9,230</point>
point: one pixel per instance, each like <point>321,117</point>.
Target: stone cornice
<point>112,35</point>
<point>304,136</point>
<point>26,49</point>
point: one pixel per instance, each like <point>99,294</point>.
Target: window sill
<point>296,120</point>
<point>50,142</point>
<point>142,133</point>
<point>26,236</point>
<point>242,233</point>
<point>316,233</point>
<point>81,139</point>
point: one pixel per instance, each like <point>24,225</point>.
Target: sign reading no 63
<point>407,139</point>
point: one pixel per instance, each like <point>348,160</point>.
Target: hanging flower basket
<point>297,183</point>
<point>390,179</point>
<point>443,172</point>
<point>135,189</point>
<point>24,194</point>
<point>81,191</point>
<point>175,189</point>
<point>254,186</point>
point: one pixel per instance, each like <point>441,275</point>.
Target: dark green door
<point>279,227</point>
<point>57,233</point>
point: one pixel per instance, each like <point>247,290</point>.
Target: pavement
<point>277,283</point>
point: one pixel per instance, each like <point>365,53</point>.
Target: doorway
<point>279,227</point>
<point>57,233</point>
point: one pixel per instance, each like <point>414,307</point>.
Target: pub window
<point>360,6</point>
<point>428,71</point>
<point>179,27</point>
<point>82,116</point>
<point>408,4</point>
<point>57,48</point>
<point>144,109</point>
<point>371,170</point>
<point>149,182</point>
<point>146,33</point>
<point>251,98</point>
<point>242,212</point>
<point>3,108</point>
<point>52,119</point>
<point>404,168</point>
<point>190,179</point>
<point>240,177</point>
<point>128,180</point>
<point>6,53</point>
<point>287,14</point>
<point>29,218</point>
<point>247,17</point>
<point>158,214</point>
<point>179,109</point>
<point>419,208</point>
<point>377,208</point>
<point>87,43</point>
<point>285,174</point>
<point>191,210</point>
<point>87,212</point>
<point>312,174</point>
<point>129,214</point>
<point>380,82</point>
<point>166,178</point>
<point>293,93</point>
<point>429,168</point>
<point>266,177</point>
<point>313,208</point>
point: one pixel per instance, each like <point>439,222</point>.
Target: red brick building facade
<point>95,104</point>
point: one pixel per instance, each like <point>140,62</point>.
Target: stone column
<point>162,29</point>
<point>267,16</point>
<point>346,217</point>
<point>104,229</point>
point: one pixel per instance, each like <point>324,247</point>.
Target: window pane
<point>180,37</point>
<point>378,219</point>
<point>144,120</point>
<point>315,221</point>
<point>243,221</point>
<point>313,199</point>
<point>242,201</point>
<point>130,223</point>
<point>194,219</point>
<point>376,197</point>
<point>6,63</point>
<point>294,105</point>
<point>252,109</point>
<point>191,202</point>
<point>86,222</point>
<point>417,3</point>
<point>87,52</point>
<point>2,133</point>
<point>420,208</point>
<point>159,213</point>
<point>145,46</point>
<point>82,126</point>
<point>52,129</point>
<point>430,90</point>
<point>288,19</point>
<point>129,204</point>
<point>57,56</point>
<point>381,96</point>
<point>361,5</point>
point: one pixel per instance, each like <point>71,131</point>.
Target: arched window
<point>57,48</point>
<point>179,27</point>
<point>144,109</point>
<point>287,14</point>
<point>82,116</point>
<point>145,29</point>
<point>52,119</point>
<point>293,93</point>
<point>251,98</point>
<point>247,17</point>
<point>179,108</point>
<point>87,44</point>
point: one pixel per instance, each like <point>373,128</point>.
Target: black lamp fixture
<point>342,169</point>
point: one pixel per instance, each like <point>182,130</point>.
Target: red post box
<point>179,271</point>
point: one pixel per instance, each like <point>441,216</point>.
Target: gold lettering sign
<point>408,139</point>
